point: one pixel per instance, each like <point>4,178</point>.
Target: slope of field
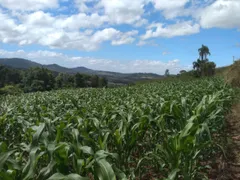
<point>231,170</point>
<point>158,130</point>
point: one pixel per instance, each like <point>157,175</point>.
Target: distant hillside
<point>56,68</point>
<point>113,77</point>
<point>19,63</point>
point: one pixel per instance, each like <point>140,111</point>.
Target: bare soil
<point>229,168</point>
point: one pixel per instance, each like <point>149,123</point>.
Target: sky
<point>120,35</point>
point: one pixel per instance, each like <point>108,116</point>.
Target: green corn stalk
<point>112,133</point>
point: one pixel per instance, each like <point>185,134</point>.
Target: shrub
<point>10,89</point>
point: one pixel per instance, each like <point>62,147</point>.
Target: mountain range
<point>113,77</point>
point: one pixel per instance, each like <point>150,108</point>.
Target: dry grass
<point>232,76</point>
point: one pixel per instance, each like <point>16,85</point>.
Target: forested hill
<point>113,77</point>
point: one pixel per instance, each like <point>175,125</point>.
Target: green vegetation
<point>41,79</point>
<point>167,73</point>
<point>232,75</point>
<point>12,90</point>
<point>114,78</point>
<point>202,66</point>
<point>162,130</point>
<point>9,76</point>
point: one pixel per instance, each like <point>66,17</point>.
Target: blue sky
<point>120,35</point>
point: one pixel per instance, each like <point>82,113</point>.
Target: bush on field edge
<point>10,90</point>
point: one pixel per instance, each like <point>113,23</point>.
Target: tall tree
<point>167,73</point>
<point>202,66</point>
<point>79,80</point>
<point>94,81</point>
<point>38,79</point>
<point>103,82</point>
<point>203,53</point>
<point>9,76</point>
<point>64,80</point>
<point>197,66</point>
<point>182,71</point>
<point>59,81</point>
<point>209,69</point>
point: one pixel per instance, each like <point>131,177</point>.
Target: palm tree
<point>197,65</point>
<point>167,72</point>
<point>204,52</point>
<point>202,66</point>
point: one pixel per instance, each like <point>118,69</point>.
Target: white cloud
<point>72,22</point>
<point>49,57</point>
<point>171,8</point>
<point>166,4</point>
<point>29,5</point>
<point>105,35</point>
<point>81,20</point>
<point>178,29</point>
<point>141,43</point>
<point>37,18</point>
<point>123,11</point>
<point>164,53</point>
<point>44,29</point>
<point>221,14</point>
<point>126,38</point>
<point>150,43</point>
<point>82,5</point>
<point>96,21</point>
<point>141,22</point>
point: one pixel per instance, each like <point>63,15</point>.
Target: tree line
<point>41,79</point>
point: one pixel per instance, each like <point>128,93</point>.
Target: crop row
<point>161,130</point>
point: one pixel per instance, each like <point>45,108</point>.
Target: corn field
<point>162,130</point>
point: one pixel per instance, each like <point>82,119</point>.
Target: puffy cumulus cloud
<point>126,38</point>
<point>81,20</point>
<point>44,29</point>
<point>49,57</point>
<point>29,5</point>
<point>171,8</point>
<point>72,22</point>
<point>30,22</point>
<point>178,29</point>
<point>166,4</point>
<point>82,5</point>
<point>132,12</point>
<point>221,14</point>
<point>124,11</point>
<point>86,29</point>
<point>37,18</point>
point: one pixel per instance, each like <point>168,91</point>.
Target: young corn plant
<point>158,130</point>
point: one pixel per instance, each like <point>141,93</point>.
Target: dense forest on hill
<point>14,80</point>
